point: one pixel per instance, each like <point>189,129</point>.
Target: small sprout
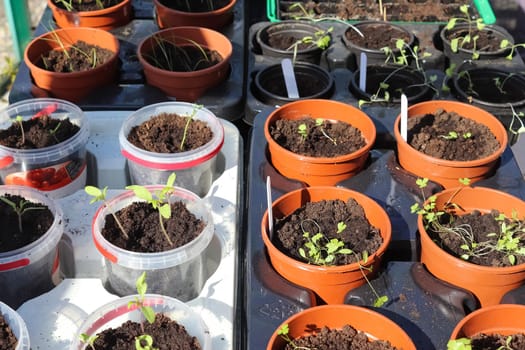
<point>144,342</point>
<point>100,195</point>
<point>19,119</point>
<point>88,339</point>
<point>341,226</point>
<point>459,344</point>
<point>142,286</point>
<point>302,129</point>
<point>194,111</point>
<point>467,135</point>
<point>452,135</point>
<point>20,209</point>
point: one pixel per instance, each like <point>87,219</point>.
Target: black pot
<point>375,55</point>
<point>313,81</point>
<point>297,29</point>
<point>401,79</point>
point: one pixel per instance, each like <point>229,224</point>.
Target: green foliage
<point>20,209</point>
<point>142,286</point>
<point>320,39</point>
<point>144,342</point>
<point>473,24</point>
<point>194,111</point>
<point>302,130</point>
<point>100,195</point>
<point>87,339</point>
<point>459,344</point>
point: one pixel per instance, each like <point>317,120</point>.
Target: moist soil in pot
<point>35,221</point>
<point>488,40</point>
<point>164,133</point>
<point>334,219</point>
<point>80,57</point>
<point>335,339</point>
<point>195,6</point>
<point>497,341</point>
<point>36,133</point>
<point>8,340</point>
<point>166,334</point>
<point>450,136</point>
<point>142,225</point>
<point>317,137</point>
<point>288,42</point>
<point>399,10</point>
<point>485,230</point>
<point>376,36</point>
<point>87,5</point>
<point>182,58</point>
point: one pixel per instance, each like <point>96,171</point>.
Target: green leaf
<point>451,23</point>
<point>165,211</point>
<point>284,330</point>
<point>380,301</point>
<point>148,313</point>
<point>141,192</point>
<point>141,284</point>
<point>171,180</point>
<point>454,43</point>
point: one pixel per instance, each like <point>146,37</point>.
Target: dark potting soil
<point>182,58</point>
<point>81,56</point>
<point>482,228</point>
<point>328,139</point>
<point>488,40</point>
<point>141,223</point>
<point>399,10</point>
<point>166,334</point>
<point>88,5</point>
<point>288,42</point>
<point>323,217</point>
<point>497,341</point>
<point>431,134</point>
<point>35,221</point>
<point>37,133</point>
<point>164,133</point>
<point>8,340</point>
<point>195,6</point>
<point>336,339</point>
<point>376,36</point>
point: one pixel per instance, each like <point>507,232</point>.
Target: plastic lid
<point>17,325</point>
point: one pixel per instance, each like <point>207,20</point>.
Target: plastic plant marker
<point>269,203</point>
<point>404,116</point>
<point>289,78</point>
<point>362,71</point>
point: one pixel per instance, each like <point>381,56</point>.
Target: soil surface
<point>336,339</point>
<point>37,133</point>
<point>481,229</point>
<point>141,223</point>
<point>81,56</point>
<point>499,89</point>
<point>328,139</point>
<point>88,5</point>
<point>398,10</point>
<point>488,40</point>
<point>497,341</point>
<point>376,36</point>
<point>288,42</point>
<point>195,6</point>
<point>431,134</point>
<point>324,217</point>
<point>35,221</point>
<point>8,340</point>
<point>182,58</point>
<point>166,334</point>
<point>164,133</point>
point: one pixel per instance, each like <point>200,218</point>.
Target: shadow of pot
<point>168,16</point>
<point>313,81</point>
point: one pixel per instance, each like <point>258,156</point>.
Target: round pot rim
<point>323,160</point>
<point>93,13</point>
<point>496,28</point>
<point>218,11</point>
<point>359,197</point>
<point>17,325</point>
<point>349,43</point>
<point>453,163</point>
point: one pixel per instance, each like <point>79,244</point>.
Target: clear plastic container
<point>179,272</point>
<point>195,169</point>
<point>115,313</point>
<point>17,325</point>
<point>58,170</point>
<point>34,269</point>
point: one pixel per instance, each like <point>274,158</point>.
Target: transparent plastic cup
<point>195,169</point>
<point>115,313</point>
<point>17,325</point>
<point>34,269</point>
<point>58,170</point>
<point>179,272</point>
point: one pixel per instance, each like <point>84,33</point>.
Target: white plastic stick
<point>404,117</point>
<point>269,204</point>
<point>362,71</point>
<point>289,78</point>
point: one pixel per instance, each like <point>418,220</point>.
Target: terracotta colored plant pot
<point>106,19</point>
<point>503,319</point>
<point>72,86</point>
<point>488,284</point>
<point>375,325</point>
<point>186,86</point>
<point>168,17</point>
<point>318,170</point>
<point>330,283</point>
<point>447,172</point>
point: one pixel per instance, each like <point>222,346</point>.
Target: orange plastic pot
<point>447,172</point>
<point>106,19</point>
<point>488,284</point>
<point>320,171</point>
<point>375,325</point>
<point>72,86</point>
<point>168,17</point>
<point>330,283</point>
<point>505,319</point>
<point>186,86</point>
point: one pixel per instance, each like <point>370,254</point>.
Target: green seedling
<point>284,333</point>
<point>320,39</point>
<point>459,344</point>
<point>144,342</point>
<point>100,195</point>
<point>194,111</point>
<point>172,53</point>
<point>453,135</point>
<point>20,209</point>
<point>516,118</point>
<point>505,43</point>
<point>68,4</point>
<point>302,129</point>
<point>158,200</point>
<point>473,24</point>
<point>142,287</point>
<point>20,121</point>
<point>89,340</point>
